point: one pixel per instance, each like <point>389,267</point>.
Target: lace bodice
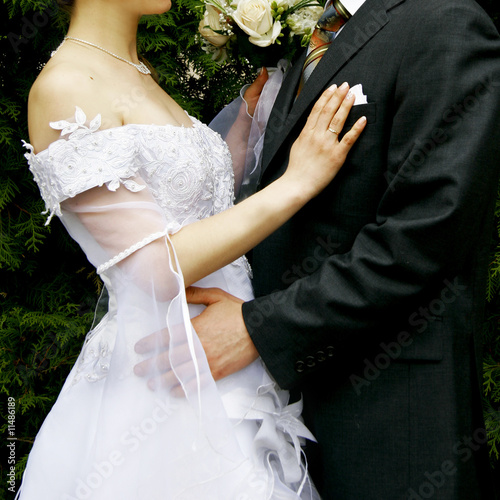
<point>187,169</point>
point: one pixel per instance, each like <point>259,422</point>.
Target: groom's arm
<point>428,220</point>
<point>430,216</point>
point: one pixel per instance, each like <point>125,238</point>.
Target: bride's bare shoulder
<point>59,88</point>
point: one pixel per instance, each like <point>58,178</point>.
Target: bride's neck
<point>105,25</point>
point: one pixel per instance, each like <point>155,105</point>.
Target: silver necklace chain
<point>141,67</point>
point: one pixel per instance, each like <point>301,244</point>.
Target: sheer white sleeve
<point>93,182</point>
<point>245,134</point>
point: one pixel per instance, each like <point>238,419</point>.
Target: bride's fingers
<point>253,92</point>
<point>351,136</point>
<point>319,105</point>
<point>334,113</point>
<point>328,103</point>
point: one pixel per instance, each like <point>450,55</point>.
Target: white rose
<point>255,19</point>
<point>210,24</point>
<point>267,38</point>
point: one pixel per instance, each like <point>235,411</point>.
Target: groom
<point>370,300</point>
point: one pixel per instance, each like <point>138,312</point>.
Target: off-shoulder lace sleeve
<point>84,157</point>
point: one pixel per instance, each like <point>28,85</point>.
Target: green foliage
<point>491,363</point>
<point>47,288</point>
<point>170,43</point>
<point>48,291</point>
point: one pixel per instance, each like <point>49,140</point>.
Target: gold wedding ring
<point>332,131</point>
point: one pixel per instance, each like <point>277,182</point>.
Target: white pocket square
<point>359,97</point>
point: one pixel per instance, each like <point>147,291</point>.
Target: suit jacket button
<point>299,366</point>
<point>329,351</point>
<point>320,356</point>
<point>310,361</point>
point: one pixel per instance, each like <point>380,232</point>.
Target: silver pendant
<point>142,68</point>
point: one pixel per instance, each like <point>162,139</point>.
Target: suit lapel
<point>365,24</point>
<point>281,108</point>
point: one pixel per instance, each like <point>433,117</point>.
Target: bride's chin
<point>156,7</point>
<point>166,6</point>
<point>162,6</point>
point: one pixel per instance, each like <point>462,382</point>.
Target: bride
<point>148,197</point>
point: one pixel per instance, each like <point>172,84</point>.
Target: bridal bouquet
<point>232,28</point>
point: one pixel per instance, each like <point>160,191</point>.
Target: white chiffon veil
<point>247,139</point>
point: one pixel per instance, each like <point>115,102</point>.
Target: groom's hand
<point>222,331</point>
<point>156,367</point>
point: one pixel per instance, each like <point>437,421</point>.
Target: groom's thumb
<point>205,296</point>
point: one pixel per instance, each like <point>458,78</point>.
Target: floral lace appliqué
<point>78,128</point>
<point>187,169</point>
<point>95,357</point>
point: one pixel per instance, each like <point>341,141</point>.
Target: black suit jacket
<point>370,300</point>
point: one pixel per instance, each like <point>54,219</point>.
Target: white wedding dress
<point>120,193</point>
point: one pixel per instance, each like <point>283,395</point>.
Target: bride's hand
<point>318,154</point>
<point>252,93</point>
